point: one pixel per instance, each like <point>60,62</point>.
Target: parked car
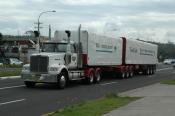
<point>14,61</point>
<point>169,61</point>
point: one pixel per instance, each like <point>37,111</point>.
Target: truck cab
<point>53,64</point>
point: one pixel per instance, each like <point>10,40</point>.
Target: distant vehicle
<point>169,61</point>
<point>14,61</point>
<point>1,64</point>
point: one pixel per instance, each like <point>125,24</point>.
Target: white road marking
<point>103,84</point>
<point>10,77</point>
<point>163,69</point>
<point>14,101</point>
<point>11,87</point>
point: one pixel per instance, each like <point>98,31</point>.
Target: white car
<point>169,61</point>
<point>15,61</point>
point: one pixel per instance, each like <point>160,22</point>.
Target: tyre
<point>90,79</point>
<point>62,80</point>
<point>97,77</point>
<point>147,71</point>
<point>127,74</point>
<point>122,75</point>
<point>131,74</point>
<point>29,84</point>
<point>151,71</point>
<point>154,70</point>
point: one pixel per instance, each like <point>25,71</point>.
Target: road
<point>17,100</point>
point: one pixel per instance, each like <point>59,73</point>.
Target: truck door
<point>73,63</point>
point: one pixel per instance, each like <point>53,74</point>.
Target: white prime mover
<point>79,55</point>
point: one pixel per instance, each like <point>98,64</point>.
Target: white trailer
<point>138,52</point>
<point>100,50</point>
<point>79,55</point>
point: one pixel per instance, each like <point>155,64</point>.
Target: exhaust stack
<point>79,56</point>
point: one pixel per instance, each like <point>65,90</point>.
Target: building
<point>18,46</point>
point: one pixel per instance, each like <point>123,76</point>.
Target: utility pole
<point>49,32</point>
<point>38,23</point>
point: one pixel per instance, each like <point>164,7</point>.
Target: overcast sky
<point>152,20</point>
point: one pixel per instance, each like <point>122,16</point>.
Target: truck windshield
<point>54,47</point>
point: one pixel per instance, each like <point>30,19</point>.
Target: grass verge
<point>95,107</point>
<point>169,82</point>
<point>10,73</point>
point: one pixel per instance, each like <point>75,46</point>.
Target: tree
<point>1,37</point>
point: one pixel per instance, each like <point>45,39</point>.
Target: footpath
<point>156,100</point>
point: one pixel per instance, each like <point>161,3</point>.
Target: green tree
<point>1,37</point>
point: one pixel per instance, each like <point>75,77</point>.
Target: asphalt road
<point>17,100</point>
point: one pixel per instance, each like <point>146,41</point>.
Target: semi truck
<point>80,55</point>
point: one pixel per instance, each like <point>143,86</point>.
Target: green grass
<point>169,82</point>
<point>12,66</point>
<point>95,107</point>
<point>15,72</point>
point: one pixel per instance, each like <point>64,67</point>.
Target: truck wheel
<point>29,84</point>
<point>62,78</point>
<point>131,74</point>
<point>127,74</point>
<point>154,70</point>
<point>151,71</point>
<point>148,71</point>
<point>122,75</point>
<point>97,77</point>
<point>90,79</point>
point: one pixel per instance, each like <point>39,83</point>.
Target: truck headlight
<point>53,69</point>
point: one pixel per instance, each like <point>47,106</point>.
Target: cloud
<point>148,19</point>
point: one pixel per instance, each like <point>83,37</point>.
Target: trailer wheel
<point>122,75</point>
<point>127,74</point>
<point>151,71</point>
<point>148,71</point>
<point>154,70</point>
<point>62,79</point>
<point>97,77</point>
<point>131,74</point>
<point>29,84</point>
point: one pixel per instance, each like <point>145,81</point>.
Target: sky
<point>152,20</point>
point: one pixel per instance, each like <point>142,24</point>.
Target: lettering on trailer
<point>142,51</point>
<point>147,52</point>
<point>105,48</point>
<point>133,50</point>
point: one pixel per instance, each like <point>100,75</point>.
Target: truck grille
<point>39,64</point>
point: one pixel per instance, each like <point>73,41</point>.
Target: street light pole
<point>40,16</point>
<point>39,26</point>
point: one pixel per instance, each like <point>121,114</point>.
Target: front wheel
<point>62,79</point>
<point>29,84</point>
